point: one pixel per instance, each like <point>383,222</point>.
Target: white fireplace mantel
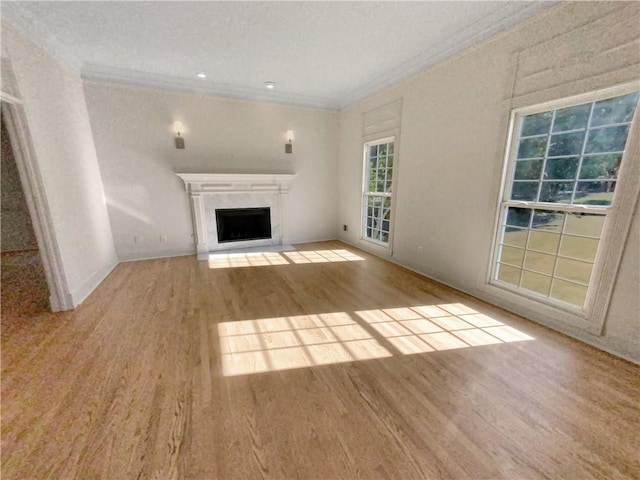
<point>236,182</point>
<point>210,191</point>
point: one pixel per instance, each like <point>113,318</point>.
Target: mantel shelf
<point>236,182</point>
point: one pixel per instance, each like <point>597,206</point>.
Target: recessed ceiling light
<point>270,85</point>
<point>201,75</point>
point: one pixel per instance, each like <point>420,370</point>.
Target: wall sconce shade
<point>179,140</point>
<point>288,147</point>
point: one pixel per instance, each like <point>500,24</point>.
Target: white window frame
<point>392,195</point>
<point>617,219</point>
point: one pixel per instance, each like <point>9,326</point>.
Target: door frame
<point>33,187</point>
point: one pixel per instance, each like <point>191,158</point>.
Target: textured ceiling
<point>325,54</point>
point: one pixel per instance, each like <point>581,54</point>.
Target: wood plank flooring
<point>24,289</point>
<point>322,364</point>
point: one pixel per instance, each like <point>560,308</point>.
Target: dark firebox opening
<point>240,224</point>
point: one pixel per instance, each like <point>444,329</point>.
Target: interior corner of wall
<point>81,292</point>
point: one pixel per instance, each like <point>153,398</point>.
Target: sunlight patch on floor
<point>323,256</point>
<point>439,327</point>
<point>263,259</point>
<point>282,343</point>
<point>253,259</point>
<point>268,344</point>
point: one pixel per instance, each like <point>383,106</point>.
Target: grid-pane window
<point>563,176</point>
<point>378,190</point>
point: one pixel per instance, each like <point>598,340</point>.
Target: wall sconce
<point>288,147</point>
<point>179,129</point>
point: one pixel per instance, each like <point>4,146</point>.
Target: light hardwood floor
<point>24,290</point>
<point>309,365</point>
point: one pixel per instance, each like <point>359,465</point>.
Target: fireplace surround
<point>209,192</point>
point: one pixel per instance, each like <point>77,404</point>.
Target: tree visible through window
<point>562,178</point>
<point>378,184</point>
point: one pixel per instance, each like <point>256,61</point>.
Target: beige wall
<point>58,122</point>
<point>453,133</point>
<point>133,132</point>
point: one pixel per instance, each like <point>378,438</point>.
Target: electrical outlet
<point>163,238</point>
<point>420,250</point>
<point>136,239</point>
<point>345,228</point>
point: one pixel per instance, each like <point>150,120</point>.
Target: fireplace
<point>243,224</point>
<point>215,194</point>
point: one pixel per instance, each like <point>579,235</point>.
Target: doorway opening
<point>24,290</point>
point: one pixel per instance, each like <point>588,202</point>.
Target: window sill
<point>378,243</point>
<point>385,248</point>
<point>547,301</point>
<point>554,314</point>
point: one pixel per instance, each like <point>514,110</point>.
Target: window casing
<point>559,191</point>
<point>377,202</point>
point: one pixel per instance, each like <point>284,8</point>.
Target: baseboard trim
<point>380,252</point>
<point>139,256</point>
<point>309,240</point>
<point>80,294</point>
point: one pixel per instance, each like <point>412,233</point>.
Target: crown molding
<point>42,36</point>
<point>494,23</point>
<point>123,76</point>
